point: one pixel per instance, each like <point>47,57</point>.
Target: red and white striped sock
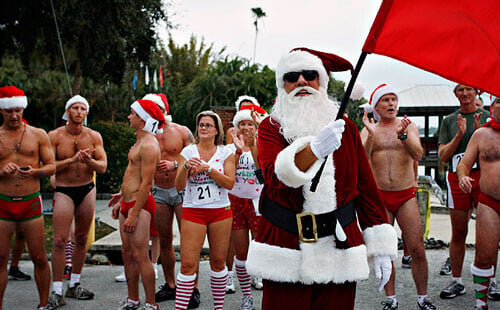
<point>68,252</point>
<point>243,277</point>
<point>185,287</point>
<point>218,281</point>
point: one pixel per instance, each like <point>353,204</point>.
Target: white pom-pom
<point>367,107</point>
<point>357,91</point>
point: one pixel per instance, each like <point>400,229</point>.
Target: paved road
<point>22,295</point>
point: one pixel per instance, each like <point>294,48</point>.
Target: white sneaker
<point>121,277</point>
<point>257,283</point>
<point>230,289</point>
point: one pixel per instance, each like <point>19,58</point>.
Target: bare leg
<point>487,237</point>
<point>129,265</point>
<point>35,238</point>
<point>6,231</point>
<point>390,288</point>
<point>459,221</point>
<point>17,249</point>
<point>61,223</point>
<point>218,238</point>
<point>164,218</point>
<point>84,215</point>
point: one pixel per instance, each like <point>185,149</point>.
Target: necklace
<point>17,146</point>
<point>75,144</point>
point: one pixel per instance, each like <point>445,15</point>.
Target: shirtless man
<point>168,200</point>
<point>22,148</point>
<point>137,206</point>
<point>485,145</point>
<point>392,146</point>
<point>454,135</point>
<point>79,153</point>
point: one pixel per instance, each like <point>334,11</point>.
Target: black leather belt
<point>308,226</point>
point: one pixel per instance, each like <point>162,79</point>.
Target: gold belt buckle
<point>314,227</point>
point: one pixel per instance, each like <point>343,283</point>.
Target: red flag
<point>161,78</point>
<point>459,40</point>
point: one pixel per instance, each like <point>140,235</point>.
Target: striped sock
<point>243,277</point>
<point>218,281</point>
<point>185,287</point>
<point>68,252</point>
<point>481,278</point>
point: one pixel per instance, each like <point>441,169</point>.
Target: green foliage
<point>336,90</point>
<point>117,139</point>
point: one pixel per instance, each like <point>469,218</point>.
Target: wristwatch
<point>176,164</point>
<point>403,136</point>
<point>209,170</point>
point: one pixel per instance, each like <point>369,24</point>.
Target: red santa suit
<point>278,256</point>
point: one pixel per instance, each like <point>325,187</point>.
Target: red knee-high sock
<point>185,287</point>
<point>481,278</point>
<point>218,281</point>
<point>243,277</point>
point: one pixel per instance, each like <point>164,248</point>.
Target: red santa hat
<point>245,114</point>
<point>72,101</point>
<point>148,111</point>
<point>240,99</point>
<point>12,97</point>
<point>302,58</point>
<point>380,91</point>
<point>162,102</point>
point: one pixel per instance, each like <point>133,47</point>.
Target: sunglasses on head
<point>292,77</point>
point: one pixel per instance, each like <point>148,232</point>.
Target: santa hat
<point>162,102</point>
<point>245,114</point>
<point>148,111</point>
<point>302,58</point>
<point>240,99</point>
<point>380,91</point>
<point>12,97</point>
<point>72,101</point>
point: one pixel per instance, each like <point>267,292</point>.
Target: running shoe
<point>195,300</point>
<point>150,307</point>
<point>78,292</point>
<point>55,300</point>
<point>493,293</point>
<point>427,304</point>
<point>165,293</point>
<point>121,277</point>
<point>246,303</point>
<point>257,283</point>
<point>46,307</point>
<point>406,262</point>
<point>67,273</point>
<point>16,274</point>
<point>446,269</point>
<point>453,290</point>
<point>127,305</point>
<point>390,305</point>
<point>230,289</point>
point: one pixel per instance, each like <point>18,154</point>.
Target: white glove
<point>328,139</point>
<point>383,268</point>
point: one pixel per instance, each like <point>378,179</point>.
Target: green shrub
<point>117,139</point>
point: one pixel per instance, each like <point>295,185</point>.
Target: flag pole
<point>341,111</point>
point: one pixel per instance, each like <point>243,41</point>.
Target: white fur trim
<point>493,99</point>
<point>71,101</point>
<point>13,102</point>
<point>159,102</point>
<point>482,272</point>
<point>285,168</point>
<point>324,199</point>
<point>245,98</point>
<point>151,123</point>
<point>378,93</point>
<point>244,115</point>
<point>381,240</point>
<point>318,262</point>
<point>298,61</point>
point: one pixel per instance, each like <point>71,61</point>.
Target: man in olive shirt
<point>456,131</point>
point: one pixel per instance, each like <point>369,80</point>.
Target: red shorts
<point>244,215</point>
<point>206,216</point>
<point>149,206</point>
<point>490,202</point>
<point>393,200</point>
<point>459,200</point>
<point>20,209</point>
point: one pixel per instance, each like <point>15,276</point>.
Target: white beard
<point>302,116</point>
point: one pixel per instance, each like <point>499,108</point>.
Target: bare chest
<point>68,145</point>
<point>170,146</point>
<point>385,139</point>
<point>489,147</point>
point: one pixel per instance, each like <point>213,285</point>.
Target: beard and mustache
<point>301,116</point>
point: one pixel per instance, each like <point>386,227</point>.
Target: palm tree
<point>258,13</point>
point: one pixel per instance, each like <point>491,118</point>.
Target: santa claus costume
<point>314,270</point>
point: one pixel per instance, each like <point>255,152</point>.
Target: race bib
<point>456,159</point>
<point>205,194</point>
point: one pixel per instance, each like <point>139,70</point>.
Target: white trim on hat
<point>243,115</point>
<point>13,102</point>
<point>245,98</point>
<point>71,101</point>
<point>156,99</point>
<point>298,61</point>
<point>375,97</point>
<point>148,119</point>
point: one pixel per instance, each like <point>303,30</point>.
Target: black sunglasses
<point>309,75</point>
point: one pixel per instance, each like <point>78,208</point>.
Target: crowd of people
<point>298,200</point>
